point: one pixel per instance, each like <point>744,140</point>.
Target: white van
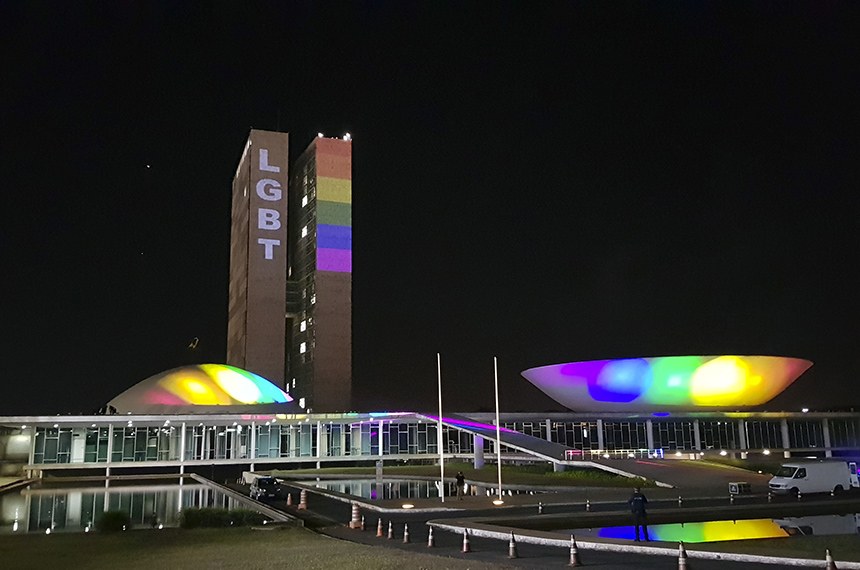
<point>814,477</point>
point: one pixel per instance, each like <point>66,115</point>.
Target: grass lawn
<point>540,475</point>
<point>242,549</point>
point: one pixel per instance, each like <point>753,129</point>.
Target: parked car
<point>266,488</point>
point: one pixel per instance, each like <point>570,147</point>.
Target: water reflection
<point>403,488</point>
<point>47,509</point>
<point>715,531</point>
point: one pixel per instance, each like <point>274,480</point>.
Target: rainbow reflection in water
<point>711,531</point>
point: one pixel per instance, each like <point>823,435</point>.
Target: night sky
<point>541,181</point>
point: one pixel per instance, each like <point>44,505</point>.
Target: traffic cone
<point>289,499</point>
<point>355,520</point>
<point>829,564</point>
<point>574,553</point>
<point>405,533</point>
<point>466,548</point>
<point>379,528</point>
<point>540,508</point>
<point>390,530</point>
<point>682,556</point>
<point>303,500</point>
<point>362,523</point>
<point>512,548</point>
<point>430,542</point>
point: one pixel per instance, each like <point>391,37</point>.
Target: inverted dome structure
<point>667,383</point>
<point>202,388</point>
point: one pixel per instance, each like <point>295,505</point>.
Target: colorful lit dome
<point>201,388</point>
<point>667,383</point>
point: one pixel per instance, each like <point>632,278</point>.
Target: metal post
<point>182,450</point>
<point>742,438</point>
<point>697,436</point>
<point>649,435</point>
<point>439,442</point>
<point>786,441</point>
<point>600,435</point>
<point>825,430</point>
<point>498,426</point>
<point>252,453</point>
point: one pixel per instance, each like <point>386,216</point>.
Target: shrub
<point>113,521</point>
<point>211,517</point>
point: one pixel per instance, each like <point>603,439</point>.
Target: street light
<point>499,501</point>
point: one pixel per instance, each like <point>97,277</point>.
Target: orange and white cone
<point>303,500</point>
<point>405,533</point>
<point>355,519</point>
<point>574,553</point>
<point>379,529</point>
<point>682,556</point>
<point>289,499</point>
<point>466,546</point>
<point>430,542</point>
<point>829,564</point>
<point>512,548</point>
<point>390,530</point>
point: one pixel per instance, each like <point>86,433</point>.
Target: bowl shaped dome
<point>667,382</point>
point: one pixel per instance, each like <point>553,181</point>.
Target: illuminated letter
<point>269,189</point>
<point>264,162</point>
<point>269,245</point>
<point>268,219</point>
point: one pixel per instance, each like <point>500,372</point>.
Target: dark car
<point>266,488</point>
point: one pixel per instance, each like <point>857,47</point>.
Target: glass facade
<point>410,438</point>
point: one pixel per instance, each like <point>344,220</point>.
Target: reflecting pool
<point>400,488</point>
<point>48,508</point>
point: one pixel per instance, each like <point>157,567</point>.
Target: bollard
<point>512,547</point>
<point>829,564</point>
<point>574,553</point>
<point>832,493</point>
<point>682,556</point>
<point>303,500</point>
<point>769,496</point>
<point>799,495</point>
<point>466,548</point>
<point>680,501</point>
<point>540,508</point>
<point>379,528</point>
<point>731,499</point>
<point>587,506</point>
<point>355,520</point>
<point>405,533</point>
<point>289,499</point>
<point>430,542</point>
<point>362,523</point>
<point>390,530</point>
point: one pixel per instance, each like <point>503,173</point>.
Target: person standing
<point>461,484</point>
<point>637,503</point>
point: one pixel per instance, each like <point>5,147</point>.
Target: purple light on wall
<point>339,260</point>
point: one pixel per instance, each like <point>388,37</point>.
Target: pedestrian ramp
<point>530,445</point>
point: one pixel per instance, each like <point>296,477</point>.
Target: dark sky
<point>541,181</point>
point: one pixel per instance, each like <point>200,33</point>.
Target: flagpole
<point>498,427</point>
<point>439,441</point>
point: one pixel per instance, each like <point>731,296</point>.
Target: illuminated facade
<point>668,383</point>
<point>320,273</point>
<point>290,299</point>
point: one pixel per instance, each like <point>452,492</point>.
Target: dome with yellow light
<point>665,383</point>
<point>202,388</point>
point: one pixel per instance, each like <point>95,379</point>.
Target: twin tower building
<point>290,299</point>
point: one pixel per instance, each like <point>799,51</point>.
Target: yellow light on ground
<point>408,506</point>
<point>498,502</point>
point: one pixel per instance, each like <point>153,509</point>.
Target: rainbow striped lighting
<point>667,383</point>
<point>200,385</point>
<point>334,205</point>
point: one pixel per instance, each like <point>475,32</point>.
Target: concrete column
<point>381,450</point>
<point>697,436</point>
<point>600,434</point>
<point>478,444</point>
<point>825,430</point>
<point>649,435</point>
<point>786,440</point>
<point>548,429</point>
<point>252,444</point>
<point>32,455</point>
<point>742,438</point>
<point>320,440</point>
<point>109,452</point>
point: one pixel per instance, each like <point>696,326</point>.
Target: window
<point>303,326</point>
<point>304,200</point>
<point>801,474</point>
<point>305,231</point>
<point>313,299</point>
<point>303,348</point>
